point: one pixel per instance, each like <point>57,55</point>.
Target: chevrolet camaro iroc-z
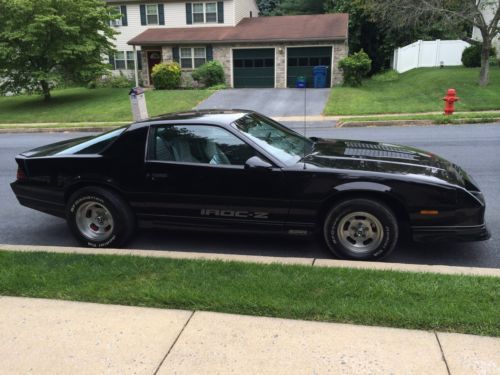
<point>237,170</point>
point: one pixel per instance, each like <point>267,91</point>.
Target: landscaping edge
<point>315,262</point>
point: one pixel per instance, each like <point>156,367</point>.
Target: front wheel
<point>99,218</point>
<point>361,229</point>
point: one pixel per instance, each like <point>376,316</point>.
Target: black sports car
<point>241,171</point>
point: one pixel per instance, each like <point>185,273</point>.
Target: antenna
<point>305,119</point>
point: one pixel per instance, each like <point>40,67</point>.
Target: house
<point>254,51</point>
<point>488,9</point>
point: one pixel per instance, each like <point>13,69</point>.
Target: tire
<point>361,229</point>
<point>99,218</point>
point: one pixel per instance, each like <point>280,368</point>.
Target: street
<point>474,147</point>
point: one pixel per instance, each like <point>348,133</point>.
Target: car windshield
<point>283,143</point>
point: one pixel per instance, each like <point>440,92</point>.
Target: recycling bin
<point>319,76</point>
<point>301,82</point>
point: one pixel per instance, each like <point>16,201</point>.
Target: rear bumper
<point>456,233</point>
<point>50,202</point>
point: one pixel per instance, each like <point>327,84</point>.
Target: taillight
<point>21,175</point>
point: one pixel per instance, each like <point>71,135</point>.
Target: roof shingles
<point>318,27</point>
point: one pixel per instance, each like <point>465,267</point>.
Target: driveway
<point>270,102</point>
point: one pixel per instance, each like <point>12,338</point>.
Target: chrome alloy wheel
<point>360,232</point>
<point>94,221</point>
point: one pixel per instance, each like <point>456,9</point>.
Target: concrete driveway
<point>270,102</point>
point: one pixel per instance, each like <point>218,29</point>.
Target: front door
<point>196,177</point>
<point>154,57</point>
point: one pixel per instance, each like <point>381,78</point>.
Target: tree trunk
<point>45,90</point>
<point>484,75</point>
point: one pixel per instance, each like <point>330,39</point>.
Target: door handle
<point>157,176</point>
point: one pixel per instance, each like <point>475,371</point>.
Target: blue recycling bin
<point>319,76</point>
<point>301,82</point>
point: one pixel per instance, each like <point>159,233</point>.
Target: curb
<point>333,263</point>
<point>356,124</point>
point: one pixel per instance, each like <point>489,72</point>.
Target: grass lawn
<point>419,90</point>
<point>81,104</point>
<point>409,300</point>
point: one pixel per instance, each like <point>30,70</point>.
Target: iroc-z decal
<point>231,213</point>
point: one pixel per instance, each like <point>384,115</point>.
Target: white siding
<point>175,16</point>
<point>242,9</point>
<point>488,9</point>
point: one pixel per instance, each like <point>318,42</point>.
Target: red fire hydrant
<point>449,101</point>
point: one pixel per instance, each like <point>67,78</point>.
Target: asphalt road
<point>475,147</point>
<point>270,102</point>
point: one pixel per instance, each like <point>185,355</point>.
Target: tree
<point>43,42</point>
<point>379,39</point>
<point>403,13</point>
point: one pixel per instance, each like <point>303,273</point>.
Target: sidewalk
<point>47,336</point>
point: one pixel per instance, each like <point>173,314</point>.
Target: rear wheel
<point>361,229</point>
<point>99,218</point>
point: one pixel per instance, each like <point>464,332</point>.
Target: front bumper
<point>453,233</point>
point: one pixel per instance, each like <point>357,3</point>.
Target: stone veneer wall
<point>222,53</point>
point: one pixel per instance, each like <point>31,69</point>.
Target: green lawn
<point>409,300</point>
<point>81,104</point>
<point>419,90</point>
<point>458,117</point>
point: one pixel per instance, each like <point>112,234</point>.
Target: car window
<point>204,144</point>
<point>94,145</point>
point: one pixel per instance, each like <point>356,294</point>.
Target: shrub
<point>166,76</point>
<point>355,68</point>
<point>120,81</point>
<point>471,56</point>
<point>209,74</point>
<point>220,86</point>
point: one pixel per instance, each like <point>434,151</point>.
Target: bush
<point>120,81</point>
<point>355,68</point>
<point>166,76</point>
<point>471,56</point>
<point>210,74</point>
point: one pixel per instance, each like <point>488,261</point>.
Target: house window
<point>130,60</point>
<point>116,22</point>
<point>152,14</point>
<point>124,60</point>
<point>193,57</point>
<point>204,12</point>
<point>120,62</point>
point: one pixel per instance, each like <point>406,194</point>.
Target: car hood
<point>386,158</point>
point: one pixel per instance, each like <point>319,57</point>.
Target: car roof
<point>207,116</point>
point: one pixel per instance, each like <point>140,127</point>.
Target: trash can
<point>138,104</point>
<point>301,82</point>
<point>319,76</point>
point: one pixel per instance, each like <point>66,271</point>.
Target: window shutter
<point>189,14</point>
<point>143,14</point>
<point>175,54</point>
<point>139,60</point>
<point>210,53</point>
<point>123,10</point>
<point>112,61</point>
<point>220,12</point>
<point>161,14</point>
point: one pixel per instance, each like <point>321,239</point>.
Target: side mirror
<point>256,163</point>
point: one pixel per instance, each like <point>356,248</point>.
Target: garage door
<point>253,67</point>
<point>300,62</point>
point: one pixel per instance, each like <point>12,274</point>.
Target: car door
<point>196,177</point>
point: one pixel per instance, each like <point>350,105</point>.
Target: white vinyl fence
<point>428,54</point>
